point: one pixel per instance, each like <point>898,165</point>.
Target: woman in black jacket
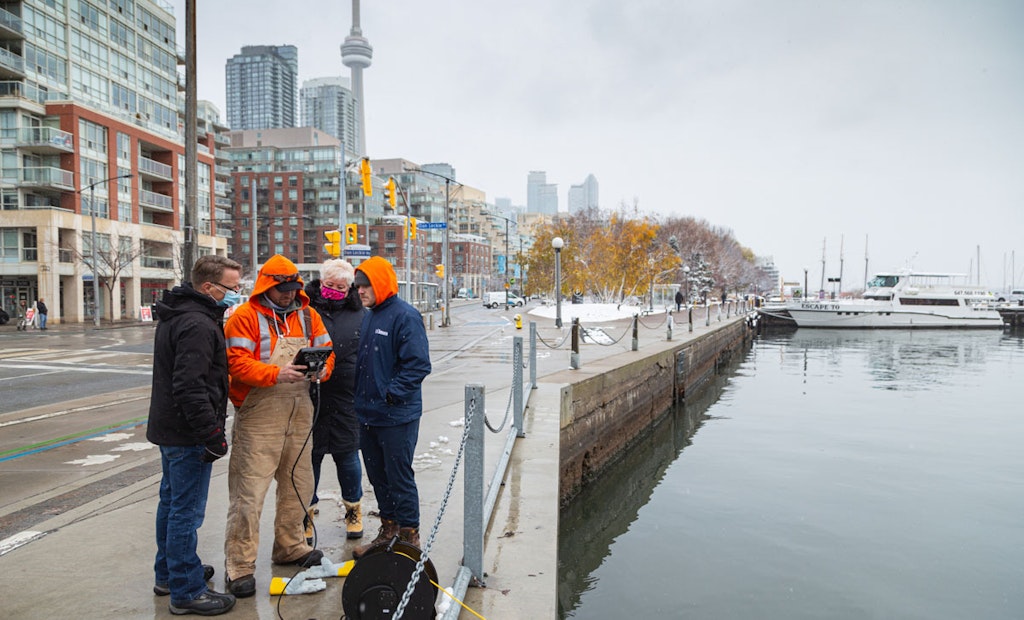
<point>335,430</point>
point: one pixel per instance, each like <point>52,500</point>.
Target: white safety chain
<point>437,521</point>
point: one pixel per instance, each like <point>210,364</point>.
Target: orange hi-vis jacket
<point>252,332</point>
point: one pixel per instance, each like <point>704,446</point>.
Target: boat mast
<point>865,262</point>
<point>822,287</point>
<point>841,265</point>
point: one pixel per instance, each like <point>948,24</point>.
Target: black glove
<point>216,446</point>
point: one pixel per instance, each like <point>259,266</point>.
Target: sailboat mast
<point>865,262</point>
<point>822,287</point>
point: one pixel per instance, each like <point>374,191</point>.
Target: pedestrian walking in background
<point>41,312</point>
<point>336,430</point>
<point>679,300</point>
<point>393,360</point>
<point>273,420</point>
<point>187,413</point>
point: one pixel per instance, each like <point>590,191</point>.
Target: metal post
<point>636,333</point>
<point>95,251</point>
<point>668,334</point>
<point>557,244</point>
<point>506,263</point>
<point>445,318</point>
<point>255,242</point>
<point>574,357</point>
<point>689,312</point>
<point>517,386</point>
<point>533,355</point>
<point>473,478</point>
<point>191,147</point>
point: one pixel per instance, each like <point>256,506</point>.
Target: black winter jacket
<point>336,429</point>
<point>190,370</point>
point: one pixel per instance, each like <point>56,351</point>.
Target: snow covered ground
<point>588,313</point>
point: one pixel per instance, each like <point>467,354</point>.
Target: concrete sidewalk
<point>96,561</point>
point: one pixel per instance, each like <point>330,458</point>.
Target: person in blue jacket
<point>393,360</point>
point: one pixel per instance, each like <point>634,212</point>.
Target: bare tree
<point>108,261</point>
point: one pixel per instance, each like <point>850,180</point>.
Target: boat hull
<point>884,315</point>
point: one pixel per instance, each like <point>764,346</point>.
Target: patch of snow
<point>133,447</point>
<point>111,437</point>
<point>94,459</point>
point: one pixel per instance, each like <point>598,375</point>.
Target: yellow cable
<point>438,586</point>
<point>456,600</point>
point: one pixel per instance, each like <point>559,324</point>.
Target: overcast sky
<point>893,124</point>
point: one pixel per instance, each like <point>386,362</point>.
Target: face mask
<point>230,298</point>
<point>332,295</point>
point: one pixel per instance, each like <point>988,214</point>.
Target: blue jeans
<point>42,321</point>
<point>350,475</point>
<point>183,490</point>
<point>387,453</point>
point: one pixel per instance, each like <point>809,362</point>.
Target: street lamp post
<point>650,263</point>
<point>95,271</point>
<point>445,316</point>
<point>686,276</point>
<point>558,244</point>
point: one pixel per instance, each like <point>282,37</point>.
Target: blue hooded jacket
<point>394,353</point>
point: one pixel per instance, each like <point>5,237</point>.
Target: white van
<point>1016,296</point>
<point>497,299</point>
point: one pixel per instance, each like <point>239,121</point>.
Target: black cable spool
<point>375,585</point>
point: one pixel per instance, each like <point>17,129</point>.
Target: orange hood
<point>382,277</point>
<point>278,265</point>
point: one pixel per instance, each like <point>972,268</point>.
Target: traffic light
<point>366,173</point>
<point>412,227</point>
<point>439,271</point>
<point>351,234</point>
<point>333,245</point>
<point>389,192</point>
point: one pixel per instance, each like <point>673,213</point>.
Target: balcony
<point>12,66</point>
<point>152,168</point>
<point>10,25</point>
<point>222,202</point>
<point>48,177</point>
<point>31,93</point>
<point>47,140</point>
<point>158,262</point>
<point>155,201</point>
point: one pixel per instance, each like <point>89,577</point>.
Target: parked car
<point>497,299</point>
<point>1016,296</point>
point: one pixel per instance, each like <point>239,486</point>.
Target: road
<point>75,402</point>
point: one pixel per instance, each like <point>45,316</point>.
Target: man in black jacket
<point>187,412</point>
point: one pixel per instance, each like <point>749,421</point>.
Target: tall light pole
<point>445,317</point>
<point>558,244</point>
<point>686,275</point>
<point>95,272</point>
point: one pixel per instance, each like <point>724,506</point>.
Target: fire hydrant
<point>519,321</point>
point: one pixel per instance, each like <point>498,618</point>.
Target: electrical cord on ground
<point>437,521</point>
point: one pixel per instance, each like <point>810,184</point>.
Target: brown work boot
<point>353,519</point>
<point>410,535</point>
<point>388,530</point>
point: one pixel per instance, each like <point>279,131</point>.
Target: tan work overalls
<point>269,441</point>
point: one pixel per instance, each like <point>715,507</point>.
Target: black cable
<point>295,487</point>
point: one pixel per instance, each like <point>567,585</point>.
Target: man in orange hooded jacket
<point>273,418</point>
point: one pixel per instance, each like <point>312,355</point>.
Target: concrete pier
<point>95,561</point>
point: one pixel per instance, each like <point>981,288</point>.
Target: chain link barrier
<point>558,344</point>
<point>615,341</point>
<point>517,375</point>
<point>664,317</point>
<point>437,521</point>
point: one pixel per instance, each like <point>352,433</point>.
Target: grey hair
<point>338,269</point>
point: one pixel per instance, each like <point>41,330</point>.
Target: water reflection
<point>607,508</point>
<point>906,360</point>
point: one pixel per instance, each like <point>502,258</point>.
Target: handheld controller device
<point>313,358</point>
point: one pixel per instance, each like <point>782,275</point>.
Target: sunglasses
<point>282,279</point>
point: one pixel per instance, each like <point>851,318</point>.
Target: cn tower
<point>356,54</point>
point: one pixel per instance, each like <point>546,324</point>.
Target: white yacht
<point>902,299</point>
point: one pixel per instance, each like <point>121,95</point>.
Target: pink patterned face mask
<point>331,294</point>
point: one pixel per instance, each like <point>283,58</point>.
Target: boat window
<point>924,301</point>
<point>886,281</point>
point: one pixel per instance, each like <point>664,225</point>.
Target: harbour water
<point>827,474</point>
